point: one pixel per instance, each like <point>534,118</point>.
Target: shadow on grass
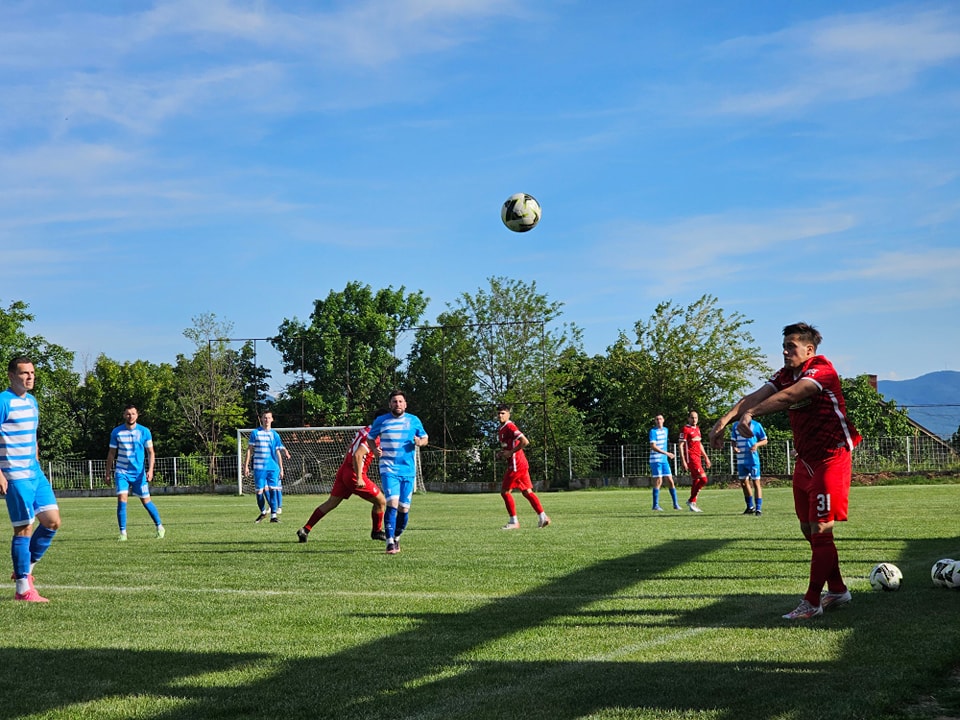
<point>436,670</point>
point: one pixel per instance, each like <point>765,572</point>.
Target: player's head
<point>800,343</point>
<point>503,412</point>
<point>22,374</point>
<point>659,421</point>
<point>397,402</point>
<point>693,418</point>
<point>266,418</point>
<point>130,414</point>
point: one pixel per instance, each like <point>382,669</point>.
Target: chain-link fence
<point>873,456</point>
<point>187,472</point>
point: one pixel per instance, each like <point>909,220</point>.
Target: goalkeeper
<point>352,480</point>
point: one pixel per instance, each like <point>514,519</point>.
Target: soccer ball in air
<point>938,573</point>
<point>886,576</point>
<point>520,212</point>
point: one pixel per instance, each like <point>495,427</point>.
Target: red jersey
<point>819,423</point>
<point>359,439</point>
<point>509,436</point>
<point>690,435</point>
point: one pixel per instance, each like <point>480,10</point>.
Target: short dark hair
<point>18,360</point>
<point>394,393</point>
<point>504,406</point>
<point>130,406</point>
<point>807,333</point>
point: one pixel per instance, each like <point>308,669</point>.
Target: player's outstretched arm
<point>747,401</point>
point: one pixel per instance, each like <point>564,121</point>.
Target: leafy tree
<point>694,358</point>
<point>505,350</point>
<point>210,384</point>
<point>440,382</point>
<point>254,384</point>
<point>872,415</point>
<point>508,328</point>
<point>56,381</point>
<point>348,350</point>
<point>110,386</point>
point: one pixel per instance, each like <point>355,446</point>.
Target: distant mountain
<point>936,392</point>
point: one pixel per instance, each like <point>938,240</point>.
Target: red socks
<point>314,519</point>
<point>824,566</point>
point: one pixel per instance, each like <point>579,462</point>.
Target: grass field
<point>611,612</point>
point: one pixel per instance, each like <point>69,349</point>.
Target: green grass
<point>612,612</point>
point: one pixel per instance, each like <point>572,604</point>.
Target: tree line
<point>505,342</point>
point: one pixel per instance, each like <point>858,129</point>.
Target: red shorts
<point>821,492</point>
<point>516,480</point>
<point>345,485</point>
<point>697,472</point>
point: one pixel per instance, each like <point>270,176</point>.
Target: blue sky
<point>799,161</point>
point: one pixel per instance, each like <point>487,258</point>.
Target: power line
<point>930,405</point>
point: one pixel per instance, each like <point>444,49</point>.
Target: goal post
<point>316,454</point>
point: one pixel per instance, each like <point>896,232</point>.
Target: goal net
<point>316,454</point>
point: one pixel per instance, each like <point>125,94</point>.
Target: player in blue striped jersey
<point>400,435</point>
<point>748,465</point>
<point>660,458</point>
<point>264,450</point>
<point>130,462</point>
<point>26,489</point>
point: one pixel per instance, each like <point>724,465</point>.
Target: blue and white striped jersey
<point>19,419</point>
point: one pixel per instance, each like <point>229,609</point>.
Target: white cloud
<point>142,104</point>
<point>75,162</point>
<point>929,264</point>
<point>368,34</point>
<point>840,58</point>
<point>715,246</point>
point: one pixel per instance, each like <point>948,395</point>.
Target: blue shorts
<point>133,484</point>
<point>398,486</point>
<point>263,479</point>
<point>748,471</point>
<point>661,468</point>
<point>26,498</point>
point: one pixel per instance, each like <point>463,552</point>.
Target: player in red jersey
<point>351,479</point>
<point>693,456</point>
<point>517,476</point>
<point>809,388</point>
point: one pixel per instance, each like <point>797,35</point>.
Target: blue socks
<point>402,518</point>
<point>122,516</point>
<point>673,496</point>
<point>40,541</point>
<point>20,553</point>
<point>154,513</point>
<point>390,522</point>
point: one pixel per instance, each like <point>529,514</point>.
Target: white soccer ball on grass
<point>886,576</point>
<point>938,571</point>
